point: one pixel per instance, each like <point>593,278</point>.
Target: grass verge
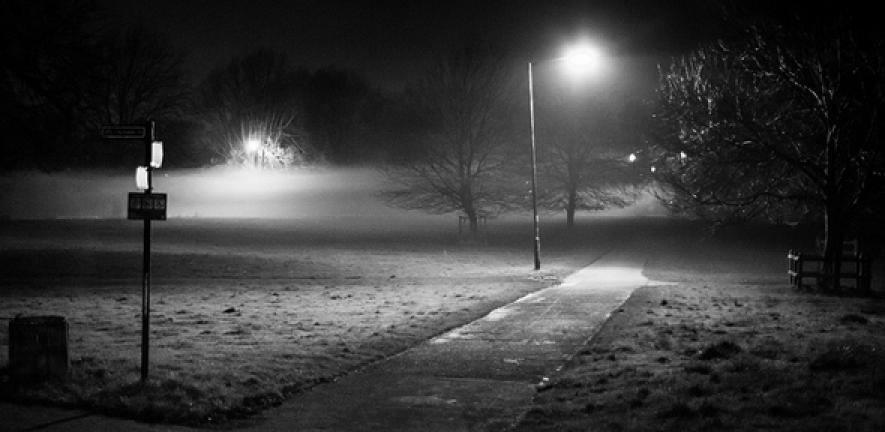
<point>724,354</point>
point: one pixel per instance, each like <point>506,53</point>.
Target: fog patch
<point>223,192</point>
<point>210,192</point>
<point>646,204</point>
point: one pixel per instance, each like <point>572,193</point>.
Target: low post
<point>864,267</point>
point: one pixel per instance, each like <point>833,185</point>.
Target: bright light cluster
<point>253,144</point>
<point>582,59</point>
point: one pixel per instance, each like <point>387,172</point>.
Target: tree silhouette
<point>258,96</point>
<point>787,119</point>
<point>583,155</point>
<point>67,71</point>
<point>48,50</point>
<point>462,101</point>
<point>335,102</point>
<point>138,77</point>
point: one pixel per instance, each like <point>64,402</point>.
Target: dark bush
<point>842,357</point>
<point>720,350</point>
<point>677,410</point>
<point>854,319</point>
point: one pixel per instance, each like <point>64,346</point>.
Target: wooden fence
<point>855,266</point>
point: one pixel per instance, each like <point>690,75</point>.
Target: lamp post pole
<point>537,230</point>
<point>579,56</point>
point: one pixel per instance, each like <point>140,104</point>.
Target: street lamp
<point>580,58</point>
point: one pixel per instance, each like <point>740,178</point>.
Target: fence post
<point>865,276</point>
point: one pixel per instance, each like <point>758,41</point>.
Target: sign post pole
<point>146,206</point>
<point>146,262</point>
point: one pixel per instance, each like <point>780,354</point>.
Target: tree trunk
<point>834,236</point>
<point>474,225</point>
<point>570,208</point>
<point>473,222</point>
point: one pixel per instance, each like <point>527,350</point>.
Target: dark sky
<point>390,41</point>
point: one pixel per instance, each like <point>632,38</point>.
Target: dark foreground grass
<point>245,313</point>
<point>248,312</point>
<point>729,346</point>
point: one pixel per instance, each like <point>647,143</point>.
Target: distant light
<point>252,145</point>
<point>582,59</point>
<point>632,157</point>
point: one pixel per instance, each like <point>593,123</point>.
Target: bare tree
<point>139,77</point>
<point>463,101</point>
<point>48,49</point>
<point>256,97</point>
<point>583,156</point>
<point>788,119</point>
<point>336,102</point>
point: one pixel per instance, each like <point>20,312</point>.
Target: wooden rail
<point>856,266</point>
<point>481,225</point>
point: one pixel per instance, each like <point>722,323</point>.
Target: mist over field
<point>209,192</point>
<point>222,192</point>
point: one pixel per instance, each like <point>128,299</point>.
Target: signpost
<point>124,131</point>
<point>146,206</point>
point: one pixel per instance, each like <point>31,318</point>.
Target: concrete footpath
<point>479,377</point>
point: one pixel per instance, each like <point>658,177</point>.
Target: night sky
<point>391,41</point>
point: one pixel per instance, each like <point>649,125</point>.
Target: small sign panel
<point>147,206</point>
<point>141,178</point>
<point>156,154</point>
<point>123,131</point>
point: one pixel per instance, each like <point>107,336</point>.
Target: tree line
<point>68,70</point>
<point>473,153</point>
<point>780,121</point>
<point>456,139</point>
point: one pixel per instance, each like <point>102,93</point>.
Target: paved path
<point>480,376</point>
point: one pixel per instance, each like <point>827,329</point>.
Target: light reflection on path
<point>608,277</point>
<point>603,286</point>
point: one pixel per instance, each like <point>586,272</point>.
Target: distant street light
<point>252,147</point>
<point>579,59</point>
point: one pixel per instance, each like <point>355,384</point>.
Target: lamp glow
<point>582,59</point>
<point>252,145</point>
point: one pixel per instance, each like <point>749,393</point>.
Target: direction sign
<point>147,206</point>
<point>123,131</point>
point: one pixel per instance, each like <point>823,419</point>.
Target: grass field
<point>727,346</point>
<point>245,312</point>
